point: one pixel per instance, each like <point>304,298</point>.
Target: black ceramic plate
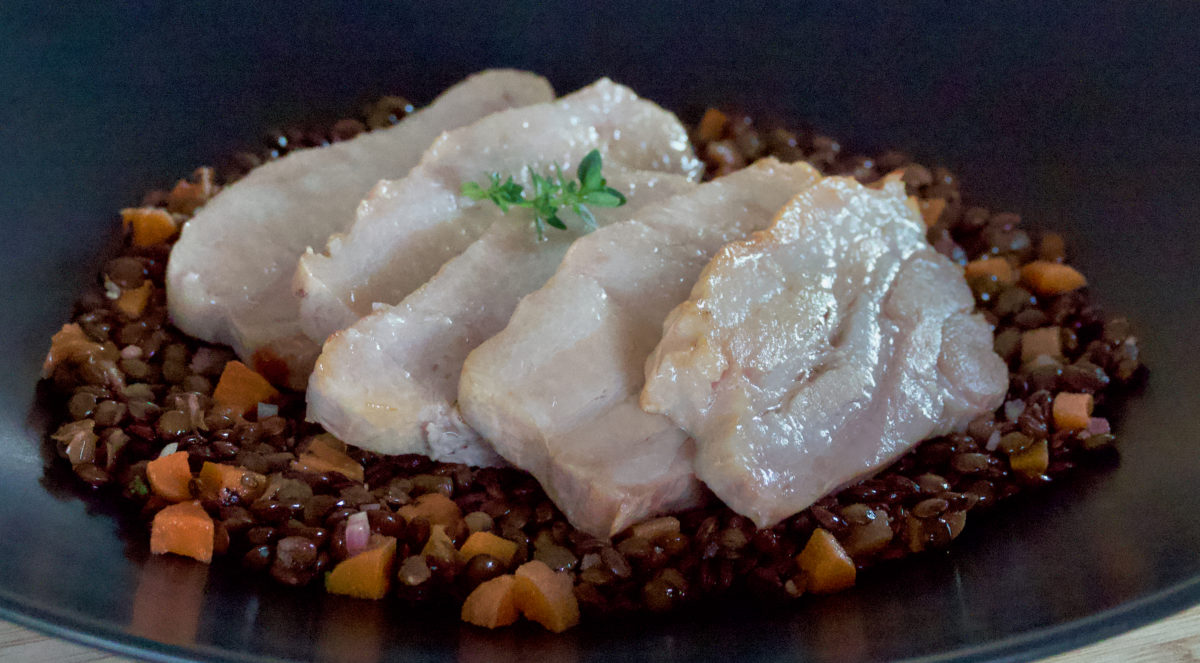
<point>1082,118</point>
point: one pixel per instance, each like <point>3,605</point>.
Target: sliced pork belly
<point>819,350</point>
<point>389,382</point>
<point>229,276</point>
<point>556,392</point>
<point>407,228</point>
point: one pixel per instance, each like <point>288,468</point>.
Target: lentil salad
<point>293,527</point>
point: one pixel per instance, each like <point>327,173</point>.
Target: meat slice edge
<point>556,391</point>
<point>229,275</point>
<point>406,229</point>
<point>821,349</point>
<point>389,382</point>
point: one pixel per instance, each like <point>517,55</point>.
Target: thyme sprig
<point>551,193</point>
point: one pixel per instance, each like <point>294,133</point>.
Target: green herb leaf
<point>551,193</point>
<point>589,171</point>
<point>605,198</point>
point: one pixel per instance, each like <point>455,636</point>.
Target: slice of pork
<point>407,228</point>
<point>819,350</point>
<point>389,382</point>
<point>229,276</point>
<point>556,392</point>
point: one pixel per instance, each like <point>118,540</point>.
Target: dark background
<point>1082,116</point>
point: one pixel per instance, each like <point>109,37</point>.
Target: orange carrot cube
<point>133,302</point>
<point>1033,461</point>
<point>988,267</point>
<point>826,564</point>
<point>366,575</point>
<point>183,529</point>
<point>1051,278</point>
<point>241,389</point>
<point>546,596</point>
<point>492,604</point>
<point>151,225</point>
<point>434,507</point>
<point>486,543</point>
<point>169,476</point>
<point>1072,411</point>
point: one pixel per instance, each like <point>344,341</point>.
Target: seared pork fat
<point>407,228</point>
<point>556,391</point>
<point>230,274</point>
<point>821,349</point>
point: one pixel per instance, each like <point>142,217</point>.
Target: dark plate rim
<point>1036,643</point>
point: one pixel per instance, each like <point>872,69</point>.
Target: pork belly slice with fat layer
<point>389,382</point>
<point>407,228</point>
<point>229,277</point>
<point>818,351</point>
<point>556,392</point>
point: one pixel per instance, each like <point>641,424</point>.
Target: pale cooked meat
<point>229,276</point>
<point>389,382</point>
<point>556,392</point>
<point>407,228</point>
<point>817,351</point>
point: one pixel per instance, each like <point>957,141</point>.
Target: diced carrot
<point>219,482</point>
<point>434,507</point>
<point>712,126</point>
<point>187,196</point>
<point>1052,247</point>
<point>366,575</point>
<point>825,564</point>
<point>70,343</point>
<point>151,225</point>
<point>242,389</point>
<point>931,210</point>
<point>1033,461</point>
<point>184,529</point>
<point>546,596</point>
<point>1044,341</point>
<point>486,543</point>
<point>1072,411</point>
<point>988,267</point>
<point>133,302</point>
<point>1051,278</point>
<point>169,476</point>
<point>492,604</point>
<point>326,453</point>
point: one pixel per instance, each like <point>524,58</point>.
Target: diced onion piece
<point>993,441</point>
<point>1098,426</point>
<point>358,533</point>
<point>1014,409</point>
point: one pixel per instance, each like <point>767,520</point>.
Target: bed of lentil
<point>152,387</point>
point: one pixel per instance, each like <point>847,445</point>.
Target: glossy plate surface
<point>1083,118</point>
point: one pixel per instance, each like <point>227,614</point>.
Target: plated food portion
<point>573,359</point>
